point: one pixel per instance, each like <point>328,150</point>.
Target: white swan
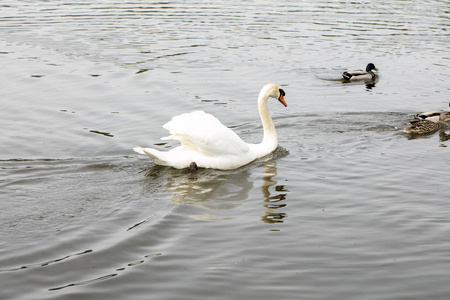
<point>209,144</point>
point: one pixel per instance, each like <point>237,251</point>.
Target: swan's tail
<point>139,150</point>
<point>154,154</point>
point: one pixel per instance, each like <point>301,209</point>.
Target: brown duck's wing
<point>422,126</point>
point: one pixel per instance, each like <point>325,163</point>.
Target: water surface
<point>348,206</point>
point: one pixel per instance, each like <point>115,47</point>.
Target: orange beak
<point>281,99</point>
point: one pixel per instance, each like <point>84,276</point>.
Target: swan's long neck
<point>270,140</point>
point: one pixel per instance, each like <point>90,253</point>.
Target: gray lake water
<point>348,206</point>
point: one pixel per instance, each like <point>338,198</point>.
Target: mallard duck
<point>432,116</point>
<point>207,143</point>
<point>428,124</point>
<point>360,74</point>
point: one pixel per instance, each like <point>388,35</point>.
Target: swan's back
<point>202,132</point>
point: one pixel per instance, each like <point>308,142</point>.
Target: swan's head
<point>274,91</point>
<point>281,97</point>
<point>371,67</point>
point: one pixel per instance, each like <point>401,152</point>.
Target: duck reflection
<point>370,85</point>
<point>215,190</point>
<point>443,136</point>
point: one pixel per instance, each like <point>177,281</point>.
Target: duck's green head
<point>371,67</point>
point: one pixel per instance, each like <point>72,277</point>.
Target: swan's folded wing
<point>204,133</point>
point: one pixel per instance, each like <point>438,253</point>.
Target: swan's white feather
<point>202,132</point>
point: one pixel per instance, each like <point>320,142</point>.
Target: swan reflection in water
<point>217,192</point>
<point>275,202</point>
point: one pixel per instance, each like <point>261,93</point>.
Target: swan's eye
<point>282,93</point>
